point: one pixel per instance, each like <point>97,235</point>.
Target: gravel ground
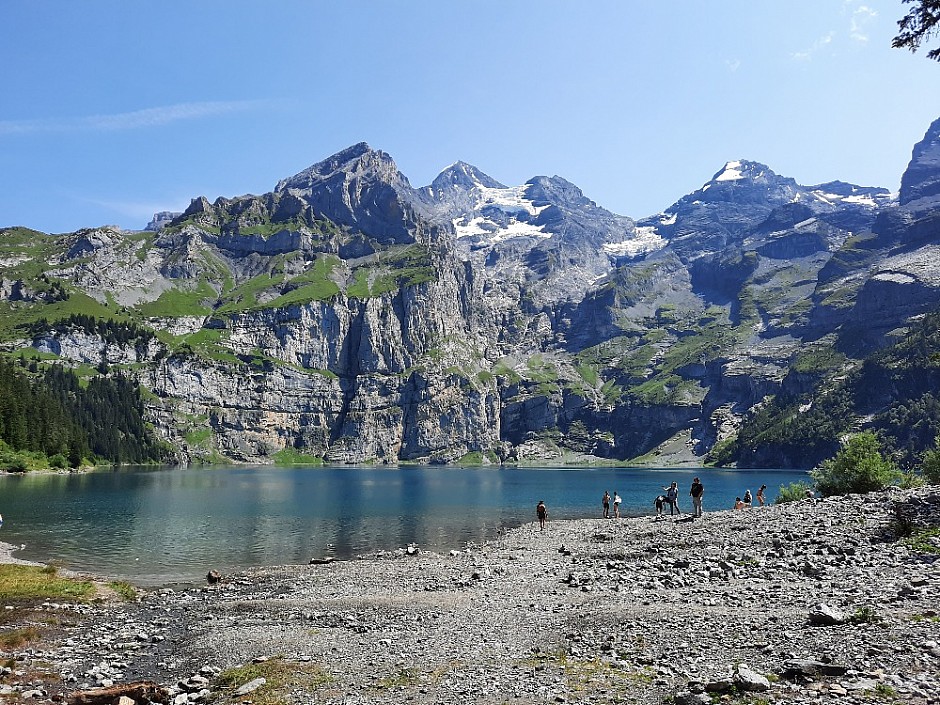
<point>807,602</point>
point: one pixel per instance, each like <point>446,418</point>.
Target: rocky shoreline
<point>806,602</point>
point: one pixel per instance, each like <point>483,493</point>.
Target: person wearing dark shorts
<point>698,489</point>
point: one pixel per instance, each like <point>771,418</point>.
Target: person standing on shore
<point>747,498</point>
<point>617,501</point>
<point>698,489</point>
<point>606,503</point>
<point>761,498</point>
<point>541,511</point>
<point>672,498</point>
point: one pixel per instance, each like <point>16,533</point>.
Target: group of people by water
<point>748,501</point>
<point>670,498</point>
<point>696,492</point>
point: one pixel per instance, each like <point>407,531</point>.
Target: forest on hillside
<point>894,392</point>
<point>48,410</point>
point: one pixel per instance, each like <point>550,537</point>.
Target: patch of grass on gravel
<point>15,638</point>
<point>924,540</point>
<point>583,675</point>
<point>283,678</point>
<point>402,679</point>
<point>124,590</point>
<point>27,582</point>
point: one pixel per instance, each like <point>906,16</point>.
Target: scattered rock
<point>807,668</point>
<point>824,615</point>
<point>750,681</point>
<point>251,686</point>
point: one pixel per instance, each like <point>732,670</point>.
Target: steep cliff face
<point>921,180</point>
<point>349,316</point>
<point>880,278</point>
<point>346,380</point>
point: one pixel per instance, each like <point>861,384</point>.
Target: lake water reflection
<point>156,526</point>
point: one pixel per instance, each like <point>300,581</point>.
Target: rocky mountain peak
<point>922,178</point>
<point>557,191</point>
<point>198,205</point>
<point>743,171</point>
<point>360,188</point>
<point>462,177</point>
<point>732,171</point>
<point>358,160</point>
<point>740,182</point>
<point>160,220</point>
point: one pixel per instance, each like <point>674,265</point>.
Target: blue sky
<point>111,110</point>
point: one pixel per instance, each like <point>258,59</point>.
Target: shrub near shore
<point>858,467</point>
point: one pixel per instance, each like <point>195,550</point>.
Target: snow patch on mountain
<point>511,199</point>
<point>486,229</point>
<point>859,199</point>
<point>731,172</point>
<point>647,239</point>
<point>500,214</point>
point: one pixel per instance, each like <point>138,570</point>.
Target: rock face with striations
<point>349,316</point>
<point>922,178</point>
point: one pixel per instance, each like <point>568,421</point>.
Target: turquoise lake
<point>158,526</point>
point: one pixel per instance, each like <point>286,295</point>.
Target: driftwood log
<point>141,692</point>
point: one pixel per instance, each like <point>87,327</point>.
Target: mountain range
<point>349,317</point>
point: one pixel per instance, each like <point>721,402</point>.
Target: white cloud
<point>733,64</point>
<point>819,44</point>
<point>148,117</point>
<point>861,18</point>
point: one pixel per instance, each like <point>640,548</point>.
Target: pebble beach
<point>805,602</point>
